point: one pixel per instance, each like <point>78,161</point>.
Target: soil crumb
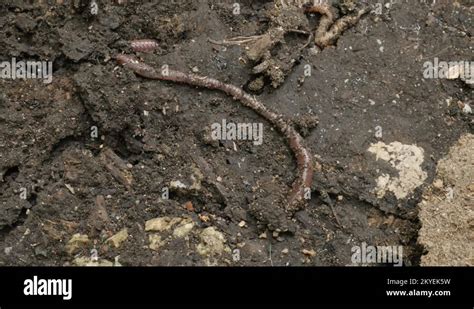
<point>407,160</point>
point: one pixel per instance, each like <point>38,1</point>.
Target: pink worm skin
<point>296,197</point>
<point>144,46</point>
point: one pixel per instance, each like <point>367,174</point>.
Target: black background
<point>348,285</point>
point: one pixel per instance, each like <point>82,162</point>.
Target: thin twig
<point>328,201</point>
<point>239,40</point>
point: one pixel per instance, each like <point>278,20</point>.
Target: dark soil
<point>76,183</point>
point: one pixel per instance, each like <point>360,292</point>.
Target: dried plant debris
<point>117,167</point>
<point>330,26</point>
<point>290,18</point>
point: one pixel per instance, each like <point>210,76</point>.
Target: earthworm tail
<point>144,46</point>
<point>304,178</point>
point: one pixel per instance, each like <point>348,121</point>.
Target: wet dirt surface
<point>65,191</point>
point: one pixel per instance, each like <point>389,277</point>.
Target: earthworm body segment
<point>145,45</point>
<point>296,197</point>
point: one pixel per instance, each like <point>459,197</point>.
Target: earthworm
<point>296,197</point>
<point>144,46</point>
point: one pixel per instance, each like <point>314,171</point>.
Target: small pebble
<point>438,184</point>
<point>467,109</point>
<point>309,252</point>
<point>118,238</point>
